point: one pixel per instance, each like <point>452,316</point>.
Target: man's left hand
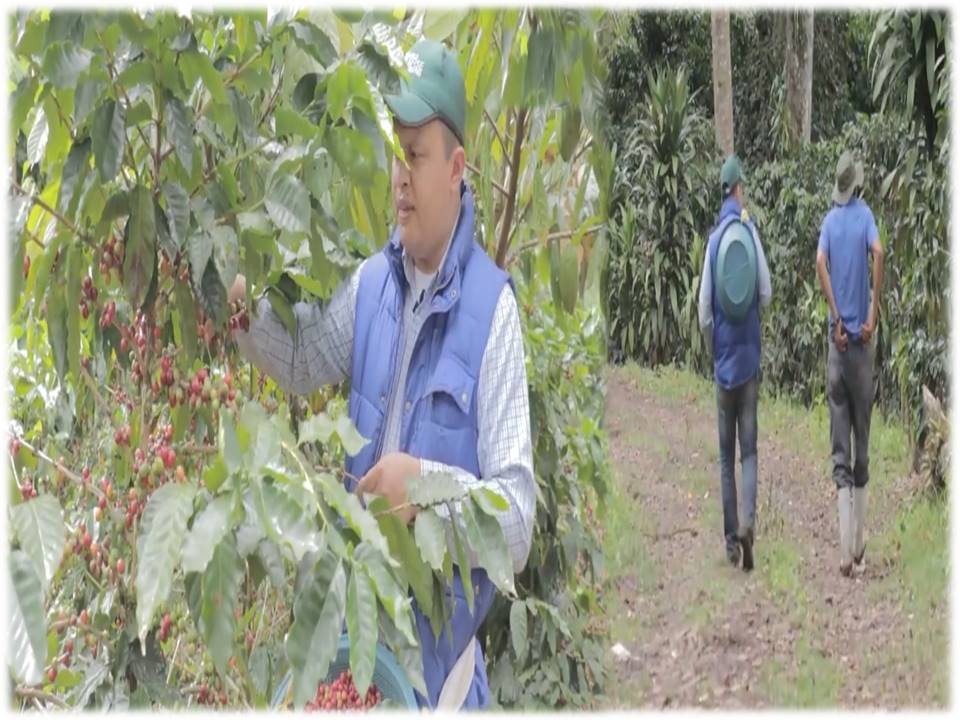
<point>867,328</point>
<point>388,478</point>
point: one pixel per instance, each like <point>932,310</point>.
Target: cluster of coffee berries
<point>208,696</point>
<point>96,554</point>
<point>140,333</point>
<point>206,328</point>
<point>134,510</point>
<point>82,623</point>
<point>107,488</point>
<point>109,315</point>
<point>122,435</point>
<point>165,379</point>
<point>157,461</point>
<point>65,659</point>
<point>342,694</point>
<point>27,489</point>
<point>89,296</point>
<point>165,624</point>
<point>111,257</point>
<point>205,389</point>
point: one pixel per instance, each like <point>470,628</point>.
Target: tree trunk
<point>798,73</point>
<point>807,76</point>
<point>722,80</point>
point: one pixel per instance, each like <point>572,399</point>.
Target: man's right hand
<point>237,291</point>
<point>840,336</point>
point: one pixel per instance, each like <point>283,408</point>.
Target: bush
<point>546,648</point>
<point>663,184</point>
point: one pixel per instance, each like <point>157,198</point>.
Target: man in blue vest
<point>428,333</point>
<point>736,361</point>
<point>847,236</point>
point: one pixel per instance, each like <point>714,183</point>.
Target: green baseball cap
<point>434,90</point>
<point>849,176</point>
<point>730,174</point>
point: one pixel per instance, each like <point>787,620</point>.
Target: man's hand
<point>236,296</point>
<point>388,478</point>
<point>866,330</point>
<point>839,336</point>
<point>237,291</point>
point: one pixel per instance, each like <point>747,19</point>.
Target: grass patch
<point>669,383</point>
<point>705,487</point>
<point>625,555</point>
<point>780,569</point>
<point>714,595</point>
<point>628,572</point>
<point>813,682</point>
<point>801,430</point>
<point>655,446</point>
<point>921,545</point>
<point>889,452</point>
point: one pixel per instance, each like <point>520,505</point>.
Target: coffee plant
<point>164,495</point>
<point>180,534</point>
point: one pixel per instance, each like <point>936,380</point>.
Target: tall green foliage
<point>663,185</point>
<point>908,52</point>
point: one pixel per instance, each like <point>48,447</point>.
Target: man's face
<point>426,191</point>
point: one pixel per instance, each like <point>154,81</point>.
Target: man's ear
<point>459,162</point>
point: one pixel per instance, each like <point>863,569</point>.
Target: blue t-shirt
<point>846,237</point>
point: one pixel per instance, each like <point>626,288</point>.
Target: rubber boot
<point>859,519</point>
<point>845,511</point>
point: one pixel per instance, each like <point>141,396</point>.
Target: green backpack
<point>735,277</point>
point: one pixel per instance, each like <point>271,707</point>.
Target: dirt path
<point>702,633</point>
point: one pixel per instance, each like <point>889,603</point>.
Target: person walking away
<point>848,236</point>
<point>734,286</point>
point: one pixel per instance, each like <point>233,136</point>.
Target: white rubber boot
<point>859,519</point>
<point>845,511</point>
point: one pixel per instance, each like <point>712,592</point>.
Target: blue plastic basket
<point>736,271</point>
<point>388,676</point>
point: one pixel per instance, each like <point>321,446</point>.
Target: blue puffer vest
<point>736,346</point>
<point>440,403</point>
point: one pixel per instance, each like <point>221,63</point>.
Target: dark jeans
<point>850,397</point>
<point>737,416</point>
